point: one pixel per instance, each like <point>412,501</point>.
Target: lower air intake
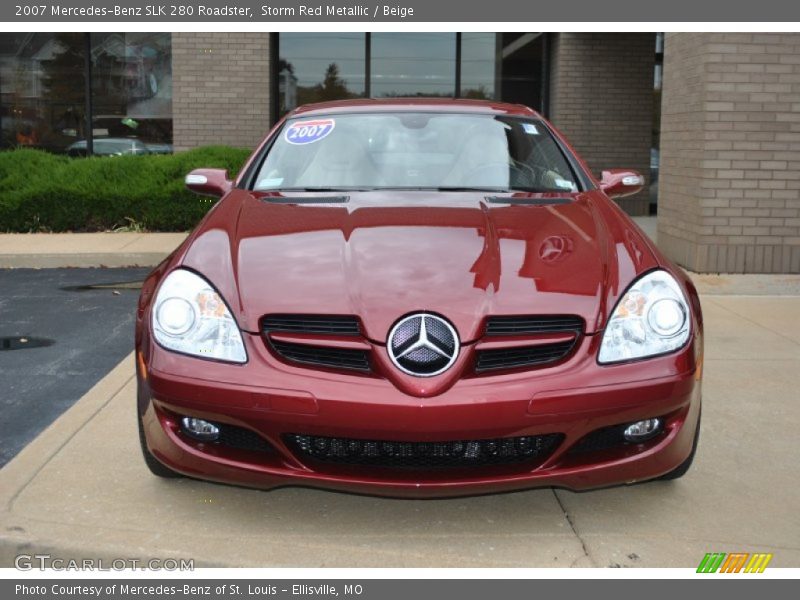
<point>424,455</point>
<point>242,439</point>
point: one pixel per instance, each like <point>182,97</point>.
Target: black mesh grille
<point>601,439</point>
<point>336,358</point>
<point>440,334</point>
<point>407,331</point>
<point>533,324</point>
<point>322,324</point>
<point>424,455</point>
<point>242,439</point>
<point>526,356</point>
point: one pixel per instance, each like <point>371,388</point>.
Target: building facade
<point>711,119</point>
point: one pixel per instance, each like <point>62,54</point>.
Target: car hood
<point>382,255</point>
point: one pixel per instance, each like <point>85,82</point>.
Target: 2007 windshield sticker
<point>308,132</point>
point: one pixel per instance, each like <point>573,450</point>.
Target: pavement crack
<point>574,531</point>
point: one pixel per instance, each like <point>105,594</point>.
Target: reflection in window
<point>478,51</point>
<point>131,93</point>
<point>413,64</point>
<point>317,67</point>
<point>42,87</point>
<point>522,68</point>
<point>43,92</point>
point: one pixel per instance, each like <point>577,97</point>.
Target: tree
<point>333,87</point>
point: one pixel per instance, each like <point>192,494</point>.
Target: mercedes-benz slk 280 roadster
<point>418,298</point>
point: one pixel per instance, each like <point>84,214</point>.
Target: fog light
<point>642,430</point>
<point>200,429</point>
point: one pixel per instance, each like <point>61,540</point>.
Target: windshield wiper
<point>434,188</point>
<point>470,188</point>
<point>455,188</point>
<point>318,189</point>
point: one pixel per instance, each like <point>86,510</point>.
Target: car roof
<point>445,105</point>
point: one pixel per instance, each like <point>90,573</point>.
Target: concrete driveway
<point>81,488</point>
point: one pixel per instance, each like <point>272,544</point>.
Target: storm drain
<point>22,342</point>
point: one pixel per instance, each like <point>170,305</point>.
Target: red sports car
<point>418,298</point>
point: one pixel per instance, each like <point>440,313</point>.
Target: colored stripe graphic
<point>714,562</point>
<point>734,562</point>
<point>758,563</point>
<point>711,562</point>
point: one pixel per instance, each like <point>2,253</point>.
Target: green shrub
<point>46,192</point>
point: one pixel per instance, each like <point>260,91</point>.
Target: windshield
<point>439,151</point>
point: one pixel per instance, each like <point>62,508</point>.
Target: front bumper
<point>274,399</point>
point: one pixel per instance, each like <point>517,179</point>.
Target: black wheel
<point>155,466</point>
<point>683,468</point>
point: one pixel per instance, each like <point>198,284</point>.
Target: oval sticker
<point>308,132</point>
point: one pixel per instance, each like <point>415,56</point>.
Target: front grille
<point>526,356</point>
<point>424,455</point>
<point>319,324</point>
<point>322,356</point>
<point>520,325</point>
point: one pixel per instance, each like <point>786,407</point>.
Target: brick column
<point>601,97</point>
<point>729,196</point>
<point>220,89</point>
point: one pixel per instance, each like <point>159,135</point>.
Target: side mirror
<point>618,183</point>
<point>209,182</point>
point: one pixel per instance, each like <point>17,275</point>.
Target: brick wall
<point>601,98</point>
<point>220,88</point>
<point>729,195</point>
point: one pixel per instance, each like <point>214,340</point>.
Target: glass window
<point>522,69</point>
<point>413,64</point>
<point>316,67</point>
<point>478,56</point>
<point>411,150</point>
<point>131,93</point>
<point>42,90</point>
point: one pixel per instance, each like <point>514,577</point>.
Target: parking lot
<point>62,331</point>
<point>81,489</point>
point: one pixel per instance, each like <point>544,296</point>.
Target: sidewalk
<point>53,250</point>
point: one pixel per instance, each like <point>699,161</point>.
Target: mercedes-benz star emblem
<point>423,345</point>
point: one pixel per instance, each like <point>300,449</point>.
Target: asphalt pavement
<point>61,331</point>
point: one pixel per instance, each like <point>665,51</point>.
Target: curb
<point>15,531</point>
<point>80,261</point>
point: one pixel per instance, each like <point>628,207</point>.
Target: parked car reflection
<point>108,147</point>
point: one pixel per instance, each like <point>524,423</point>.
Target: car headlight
<point>651,318</point>
<point>190,316</point>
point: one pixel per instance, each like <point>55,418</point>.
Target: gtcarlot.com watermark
<point>42,562</point>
